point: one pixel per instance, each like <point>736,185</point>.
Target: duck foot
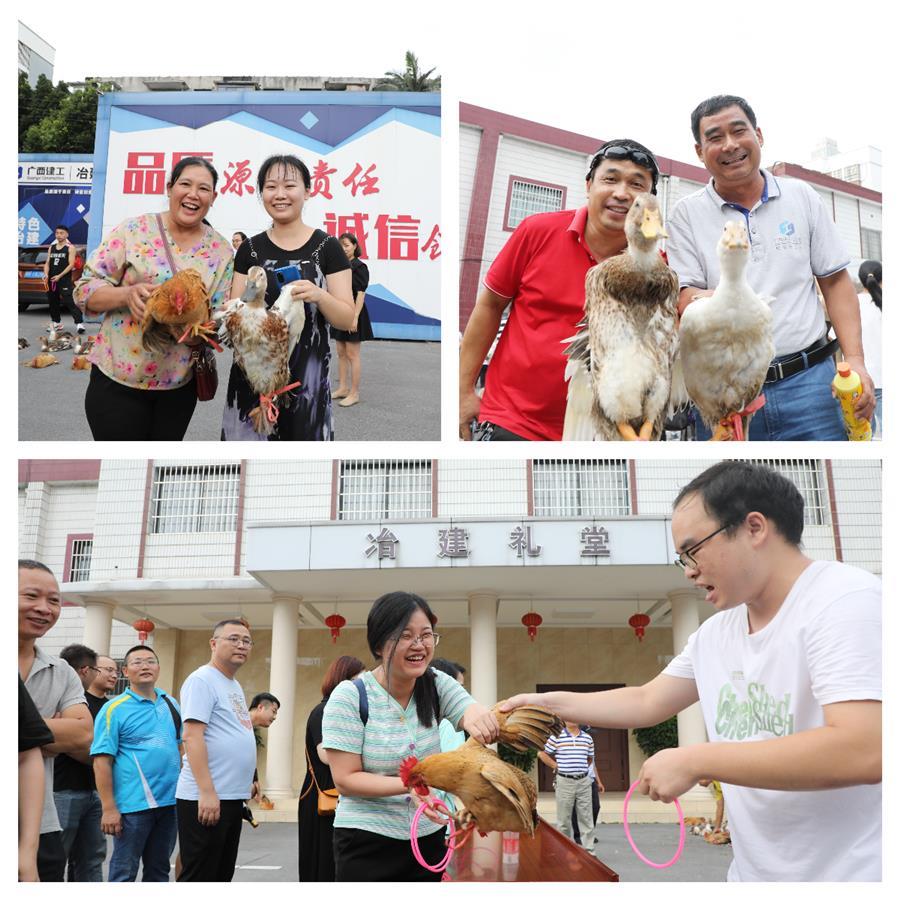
<point>629,434</point>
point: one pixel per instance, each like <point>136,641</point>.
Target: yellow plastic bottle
<point>848,387</point>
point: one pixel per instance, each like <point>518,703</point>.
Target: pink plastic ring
<point>414,839</point>
<point>638,853</point>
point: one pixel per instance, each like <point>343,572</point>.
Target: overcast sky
<point>633,69</point>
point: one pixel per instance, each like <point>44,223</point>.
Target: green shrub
<point>657,737</point>
<point>523,760</point>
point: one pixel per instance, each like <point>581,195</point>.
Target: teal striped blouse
<point>390,735</point>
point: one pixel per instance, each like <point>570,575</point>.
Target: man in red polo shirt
<point>541,272</point>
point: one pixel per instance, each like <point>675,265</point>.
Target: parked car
<point>31,273</point>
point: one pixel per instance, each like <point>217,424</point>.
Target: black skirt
<point>363,329</point>
<point>365,856</point>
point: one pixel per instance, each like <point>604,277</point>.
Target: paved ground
<point>269,853</point>
<point>400,393</point>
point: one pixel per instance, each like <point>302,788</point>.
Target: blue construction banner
<point>54,189</point>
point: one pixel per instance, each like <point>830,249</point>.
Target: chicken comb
<point>406,768</point>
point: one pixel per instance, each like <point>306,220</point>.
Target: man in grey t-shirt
<point>795,247</point>
<point>220,757</point>
<point>58,696</point>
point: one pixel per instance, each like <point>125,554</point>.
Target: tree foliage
<point>657,737</point>
<point>55,119</point>
<point>521,759</point>
<point>411,79</point>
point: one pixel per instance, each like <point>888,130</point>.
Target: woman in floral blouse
<point>135,394</point>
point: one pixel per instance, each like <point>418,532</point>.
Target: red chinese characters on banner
<point>235,182</point>
<point>358,179</point>
<point>398,237</point>
<point>145,172</point>
<point>433,244</point>
<point>337,225</point>
<point>321,180</point>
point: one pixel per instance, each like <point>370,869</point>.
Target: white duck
<point>263,339</point>
<point>725,343</point>
<point>620,361</point>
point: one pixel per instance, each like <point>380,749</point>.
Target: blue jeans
<point>147,836</point>
<point>84,843</point>
<point>799,408</point>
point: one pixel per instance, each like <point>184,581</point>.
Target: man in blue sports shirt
<point>136,763</point>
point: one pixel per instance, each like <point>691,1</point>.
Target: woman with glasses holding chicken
<point>371,725</point>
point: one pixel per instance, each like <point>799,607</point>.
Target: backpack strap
<point>363,700</point>
<point>176,718</point>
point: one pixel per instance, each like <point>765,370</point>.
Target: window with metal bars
<point>385,489</point>
<point>581,487</point>
<point>529,197</point>
<point>870,243</point>
<point>80,562</point>
<point>809,479</point>
<point>194,499</point>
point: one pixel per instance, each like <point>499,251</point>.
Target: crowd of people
<point>136,392</point>
<point>787,674</point>
<point>797,255</point>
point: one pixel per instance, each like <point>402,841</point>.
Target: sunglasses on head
<point>617,151</point>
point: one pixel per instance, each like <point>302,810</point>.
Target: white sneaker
<point>51,328</point>
<point>80,328</point>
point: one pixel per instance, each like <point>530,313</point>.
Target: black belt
<point>784,366</point>
<point>573,777</point>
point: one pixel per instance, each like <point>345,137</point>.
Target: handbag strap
<point>165,240</point>
<point>311,772</point>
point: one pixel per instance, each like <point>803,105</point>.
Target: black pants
<point>488,431</point>
<point>365,856</point>
<point>116,412</point>
<point>208,853</point>
<point>62,293</point>
<point>51,857</point>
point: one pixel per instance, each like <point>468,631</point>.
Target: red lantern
<point>335,623</point>
<point>531,620</point>
<point>639,621</point>
<point>143,627</point>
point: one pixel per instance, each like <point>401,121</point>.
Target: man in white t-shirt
<point>219,759</point>
<point>788,675</point>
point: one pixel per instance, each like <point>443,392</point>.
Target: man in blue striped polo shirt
<point>570,754</point>
<point>136,764</point>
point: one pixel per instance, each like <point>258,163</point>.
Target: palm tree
<point>410,80</point>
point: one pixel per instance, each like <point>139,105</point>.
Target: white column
<point>282,683</point>
<point>685,621</point>
<point>483,644</point>
<point>97,626</point>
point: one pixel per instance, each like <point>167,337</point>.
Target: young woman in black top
<point>325,288</point>
<point>347,342</point>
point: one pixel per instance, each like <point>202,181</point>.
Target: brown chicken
<point>41,361</point>
<point>497,795</point>
<point>177,309</point>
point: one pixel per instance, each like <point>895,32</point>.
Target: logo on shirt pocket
<point>786,228</point>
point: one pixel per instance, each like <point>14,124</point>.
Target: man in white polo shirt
<point>570,754</point>
<point>794,246</point>
<point>219,760</point>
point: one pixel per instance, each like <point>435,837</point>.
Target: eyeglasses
<point>617,151</point>
<point>146,661</point>
<point>110,670</point>
<point>237,640</point>
<point>92,668</point>
<point>686,559</point>
<point>428,639</point>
